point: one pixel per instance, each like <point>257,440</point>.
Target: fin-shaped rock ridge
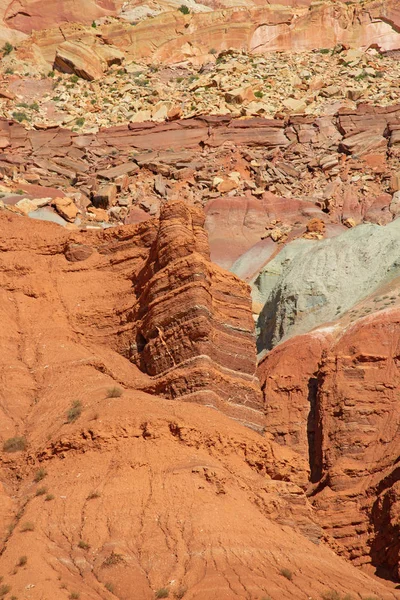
<point>193,330</point>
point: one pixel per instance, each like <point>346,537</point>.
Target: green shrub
<point>15,444</point>
<point>20,116</point>
<point>258,94</point>
<point>41,491</point>
<point>7,48</point>
<point>185,11</point>
<point>80,122</point>
<point>74,596</point>
<point>74,412</point>
<point>83,545</point>
<point>49,497</point>
<point>162,593</point>
<point>74,79</point>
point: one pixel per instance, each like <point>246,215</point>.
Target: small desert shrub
<point>9,71</point>
<point>185,11</point>
<point>213,51</point>
<point>49,497</point>
<point>20,116</point>
<point>331,595</point>
<point>83,545</point>
<point>113,559</point>
<point>94,25</point>
<point>4,589</point>
<point>40,474</point>
<point>74,596</point>
<point>74,79</point>
<point>180,592</point>
<point>93,496</point>
<point>162,593</point>
<point>41,491</point>
<point>258,94</point>
<point>80,122</point>
<point>7,48</point>
<point>74,412</point>
<point>22,561</point>
<point>287,573</point>
<point>15,444</point>
<point>114,392</point>
<point>109,586</point>
<point>28,526</point>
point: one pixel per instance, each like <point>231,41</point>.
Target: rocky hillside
<point>200,300</point>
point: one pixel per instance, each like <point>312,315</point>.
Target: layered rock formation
<point>133,493</point>
<point>193,328</point>
<point>331,396</point>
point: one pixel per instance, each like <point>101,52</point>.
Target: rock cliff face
<point>137,493</point>
<point>193,328</point>
<point>332,396</point>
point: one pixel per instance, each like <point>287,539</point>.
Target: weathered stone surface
<point>331,396</point>
<point>312,282</point>
<point>76,57</point>
<point>194,329</point>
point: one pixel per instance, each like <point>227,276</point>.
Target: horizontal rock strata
<point>193,328</point>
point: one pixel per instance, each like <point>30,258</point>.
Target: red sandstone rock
<point>194,332</point>
<point>331,395</point>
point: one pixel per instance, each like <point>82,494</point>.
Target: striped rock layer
<point>193,328</point>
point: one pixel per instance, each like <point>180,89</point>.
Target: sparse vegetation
<point>334,595</point>
<point>4,589</point>
<point>180,592</point>
<point>114,392</point>
<point>9,71</point>
<point>22,561</point>
<point>40,474</point>
<point>74,412</point>
<point>20,116</point>
<point>15,444</point>
<point>74,79</point>
<point>74,596</point>
<point>185,11</point>
<point>109,586</point>
<point>94,24</point>
<point>258,94</point>
<point>286,573</point>
<point>113,559</point>
<point>49,497</point>
<point>41,491</point>
<point>83,545</point>
<point>7,48</point>
<point>93,495</point>
<point>80,121</point>
<point>162,593</point>
<point>213,51</point>
<point>28,526</point>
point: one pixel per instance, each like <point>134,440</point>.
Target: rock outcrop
<point>331,395</point>
<point>193,331</point>
<point>313,282</point>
